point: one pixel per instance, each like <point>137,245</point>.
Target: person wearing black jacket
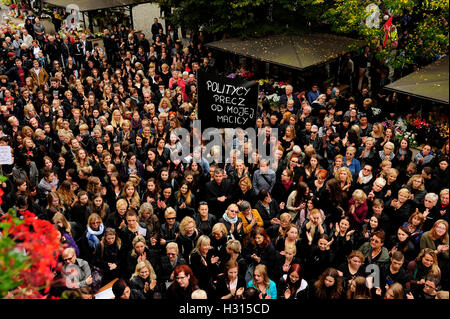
<point>398,210</point>
<point>218,193</point>
<point>184,283</point>
<point>203,220</point>
<point>244,192</point>
<point>268,208</point>
<point>204,264</point>
<point>318,257</point>
<point>138,253</point>
<point>52,50</point>
<point>170,261</point>
<point>187,239</point>
<point>169,230</point>
<point>260,250</point>
<point>230,285</point>
<point>116,219</point>
<point>110,256</point>
<point>146,281</point>
<point>283,186</point>
<point>343,241</point>
<point>219,239</point>
<point>131,230</point>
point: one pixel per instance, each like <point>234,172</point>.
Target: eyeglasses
<point>375,241</point>
<point>430,287</point>
<point>170,218</point>
<point>313,132</point>
<point>171,254</point>
<point>180,278</point>
<point>67,259</point>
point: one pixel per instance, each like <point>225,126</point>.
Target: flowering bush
<point>410,137</point>
<point>388,124</point>
<point>29,250</point>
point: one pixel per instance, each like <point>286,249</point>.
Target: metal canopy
<point>429,82</point>
<point>292,51</point>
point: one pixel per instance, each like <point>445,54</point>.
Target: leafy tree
<point>422,27</point>
<point>244,18</point>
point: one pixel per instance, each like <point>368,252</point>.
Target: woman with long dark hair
<point>328,286</point>
<point>292,285</point>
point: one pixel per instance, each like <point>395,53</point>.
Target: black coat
<point>169,234</point>
<point>111,254</point>
<point>249,196</point>
<point>205,226</point>
<point>267,254</point>
<point>214,191</point>
<point>138,283</point>
<point>265,214</point>
<point>131,261</point>
<point>167,268</point>
<point>398,217</point>
<point>204,274</point>
<point>316,261</point>
<point>237,234</point>
<point>186,244</point>
<point>222,285</point>
<point>178,294</point>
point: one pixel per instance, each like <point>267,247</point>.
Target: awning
<point>89,5</point>
<point>293,51</point>
<point>429,82</point>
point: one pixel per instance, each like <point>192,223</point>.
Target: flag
<point>386,29</point>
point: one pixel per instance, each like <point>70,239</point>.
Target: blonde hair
<point>393,171</point>
<point>346,169</point>
<point>285,217</point>
<point>290,247</point>
<point>184,223</point>
<point>359,195</point>
<point>220,227</point>
<point>203,239</point>
<point>121,202</point>
<point>416,176</point>
<point>170,212</point>
<point>137,239</point>
<point>114,123</point>
<point>172,245</point>
<point>380,131</point>
<point>234,245</point>
<point>140,266</point>
<point>404,191</point>
<point>94,217</point>
<point>199,294</point>
<point>59,217</point>
<point>262,269</point>
<point>135,197</point>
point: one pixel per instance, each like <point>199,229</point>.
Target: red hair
<point>187,271</point>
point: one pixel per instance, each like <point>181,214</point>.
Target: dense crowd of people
<point>343,211</point>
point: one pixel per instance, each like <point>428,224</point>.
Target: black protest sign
<point>225,102</point>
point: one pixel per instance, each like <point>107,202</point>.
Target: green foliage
<point>12,261</point>
<point>428,35</point>
<point>244,18</point>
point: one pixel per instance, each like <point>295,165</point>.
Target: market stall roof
<point>292,51</point>
<point>429,82</point>
<point>88,5</point>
